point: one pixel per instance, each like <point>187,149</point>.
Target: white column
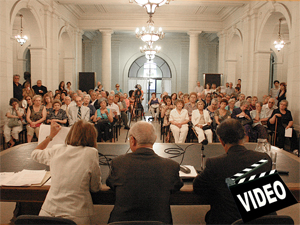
<point>69,69</point>
<point>38,64</point>
<point>6,60</point>
<point>106,59</point>
<point>231,70</point>
<point>193,59</point>
<point>261,73</point>
<point>78,64</point>
<point>222,45</point>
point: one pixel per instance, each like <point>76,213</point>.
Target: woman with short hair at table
<point>179,119</point>
<point>36,115</point>
<point>13,126</point>
<point>201,120</point>
<point>75,172</point>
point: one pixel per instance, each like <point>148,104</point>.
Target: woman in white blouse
<point>74,171</point>
<point>200,118</point>
<point>179,119</point>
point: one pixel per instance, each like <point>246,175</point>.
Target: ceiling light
<point>150,5</point>
<point>279,44</point>
<point>20,38</point>
<point>149,34</point>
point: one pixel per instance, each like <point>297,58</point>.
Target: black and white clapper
<point>259,194</point>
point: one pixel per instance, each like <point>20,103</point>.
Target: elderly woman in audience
<point>202,123</point>
<point>126,100</point>
<point>252,105</point>
<point>259,117</point>
<point>27,90</point>
<point>282,93</point>
<point>186,98</point>
<point>212,108</point>
<point>36,114</point>
<point>243,115</point>
<point>284,121</point>
<point>57,114</point>
<point>180,95</point>
<point>13,126</point>
<point>103,119</point>
<point>174,98</point>
<point>86,102</point>
<point>154,106</point>
<point>165,114</point>
<point>222,114</point>
<point>75,172</point>
<point>231,105</point>
<point>179,119</point>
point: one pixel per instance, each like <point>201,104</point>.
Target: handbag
<point>206,127</point>
<point>13,122</point>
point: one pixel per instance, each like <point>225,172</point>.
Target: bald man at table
<point>210,183</point>
<point>142,180</point>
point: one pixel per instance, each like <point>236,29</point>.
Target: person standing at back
<point>142,180</point>
<point>210,183</point>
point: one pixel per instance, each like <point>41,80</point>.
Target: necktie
<point>79,114</point>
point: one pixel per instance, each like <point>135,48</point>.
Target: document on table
<point>58,139</point>
<point>191,174</point>
<point>25,178</point>
<point>5,177</point>
<point>288,132</point>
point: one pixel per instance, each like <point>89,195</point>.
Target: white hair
<point>143,132</point>
<point>87,96</point>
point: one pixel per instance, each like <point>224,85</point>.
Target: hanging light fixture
<point>20,38</point>
<point>279,44</point>
<point>148,34</point>
<point>150,5</point>
<point>150,51</point>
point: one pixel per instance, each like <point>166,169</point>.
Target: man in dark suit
<point>142,180</point>
<point>39,89</point>
<point>210,183</point>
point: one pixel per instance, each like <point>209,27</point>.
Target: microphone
<point>204,142</point>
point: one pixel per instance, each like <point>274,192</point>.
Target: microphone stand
<point>204,142</point>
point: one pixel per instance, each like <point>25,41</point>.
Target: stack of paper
<point>24,178</point>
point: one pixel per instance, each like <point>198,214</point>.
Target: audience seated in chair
<point>179,119</point>
<point>202,123</point>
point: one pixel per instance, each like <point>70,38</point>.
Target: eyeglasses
<point>272,102</point>
<point>117,86</point>
<point>27,99</point>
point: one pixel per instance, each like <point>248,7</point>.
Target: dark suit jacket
<point>211,184</point>
<point>143,182</point>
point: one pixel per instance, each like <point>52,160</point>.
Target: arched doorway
<point>153,76</point>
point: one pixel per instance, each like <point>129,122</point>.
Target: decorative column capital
<point>106,31</point>
<point>194,33</point>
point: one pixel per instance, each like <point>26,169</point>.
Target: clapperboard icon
<point>259,194</point>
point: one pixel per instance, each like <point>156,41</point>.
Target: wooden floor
<point>181,214</point>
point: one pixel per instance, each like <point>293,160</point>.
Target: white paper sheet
<point>58,139</point>
<point>5,177</point>
<point>288,132</point>
<point>26,178</point>
<point>192,174</point>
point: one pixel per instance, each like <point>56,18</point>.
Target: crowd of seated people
<point>33,106</point>
<point>255,116</point>
<point>175,111</point>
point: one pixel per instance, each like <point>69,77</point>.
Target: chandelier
<point>150,51</point>
<point>148,34</point>
<point>20,38</point>
<point>279,44</point>
<point>150,5</point>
